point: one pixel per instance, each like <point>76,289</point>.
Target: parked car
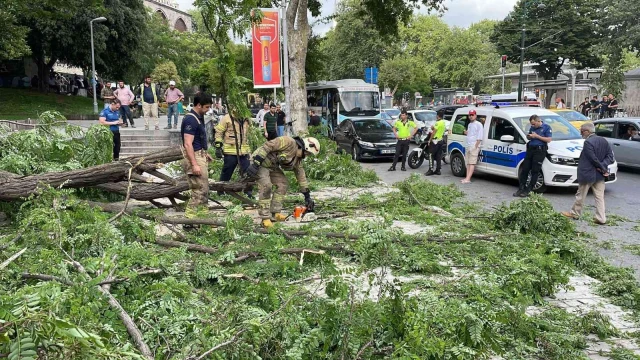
<point>575,118</point>
<point>617,131</point>
<point>366,138</point>
<point>385,116</point>
<point>448,110</point>
<point>395,113</point>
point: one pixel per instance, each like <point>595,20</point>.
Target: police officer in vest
<point>110,116</point>
<point>539,136</point>
<point>231,142</point>
<point>194,151</point>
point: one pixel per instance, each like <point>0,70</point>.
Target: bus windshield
<point>363,103</point>
<point>560,128</point>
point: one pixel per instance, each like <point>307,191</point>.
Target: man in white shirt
<point>475,133</point>
<point>260,116</point>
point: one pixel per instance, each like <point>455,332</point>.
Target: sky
<point>460,13</point>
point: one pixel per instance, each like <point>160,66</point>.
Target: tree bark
<point>298,31</point>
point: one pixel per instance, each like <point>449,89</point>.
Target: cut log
<point>150,191</point>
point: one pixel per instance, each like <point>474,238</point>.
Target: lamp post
<point>93,64</point>
<point>522,48</point>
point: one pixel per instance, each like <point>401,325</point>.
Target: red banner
<point>265,42</point>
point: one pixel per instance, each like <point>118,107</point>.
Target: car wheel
<point>355,153</point>
<point>458,167</point>
<point>414,160</point>
<point>539,187</point>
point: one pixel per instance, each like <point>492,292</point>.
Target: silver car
<point>622,134</point>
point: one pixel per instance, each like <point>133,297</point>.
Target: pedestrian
<point>282,117</point>
<point>261,114</point>
<point>475,134</point>
<point>110,117</point>
<point>613,105</point>
<point>560,104</point>
<point>232,143</point>
<point>593,169</point>
<point>604,107</point>
<point>539,137</point>
<point>196,157</point>
<point>314,120</point>
<point>270,121</point>
<point>172,96</point>
<point>107,95</point>
<point>149,102</point>
<point>125,96</point>
<point>284,153</point>
<point>595,105</point>
<point>402,130</point>
<point>436,143</point>
<point>585,107</point>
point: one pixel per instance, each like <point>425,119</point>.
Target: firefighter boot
<point>266,223</point>
<point>279,217</point>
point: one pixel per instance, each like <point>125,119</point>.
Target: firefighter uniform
<point>231,142</point>
<point>281,153</point>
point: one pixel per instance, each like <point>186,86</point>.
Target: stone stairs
<point>136,142</point>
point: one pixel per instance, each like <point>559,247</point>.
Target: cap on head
<point>311,145</point>
<point>172,83</point>
<point>472,112</point>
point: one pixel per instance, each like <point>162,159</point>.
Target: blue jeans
<point>280,130</point>
<point>125,113</point>
<point>172,110</point>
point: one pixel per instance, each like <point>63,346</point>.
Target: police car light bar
<point>498,104</point>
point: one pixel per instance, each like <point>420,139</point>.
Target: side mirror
<point>507,138</point>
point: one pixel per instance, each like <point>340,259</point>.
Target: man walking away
<point>126,97</point>
<point>436,143</point>
<point>539,136</point>
<point>173,96</point>
<point>232,142</point>
<point>613,106</point>
<point>149,102</point>
<point>282,118</point>
<point>111,117</point>
<point>107,95</point>
<point>194,152</point>
<point>402,131</point>
<point>475,134</point>
<point>261,114</point>
<point>593,169</point>
<point>270,122</point>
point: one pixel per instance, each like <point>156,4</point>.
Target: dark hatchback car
<point>368,138</point>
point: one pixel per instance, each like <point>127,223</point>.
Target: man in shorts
<point>475,133</point>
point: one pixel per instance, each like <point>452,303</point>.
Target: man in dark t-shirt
<point>604,107</point>
<point>271,123</point>
<point>281,120</point>
<point>613,105</point>
<point>314,120</point>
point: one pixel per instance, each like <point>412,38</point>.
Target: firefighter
<point>231,142</point>
<point>269,161</point>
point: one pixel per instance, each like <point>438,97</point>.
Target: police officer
<point>539,136</point>
<point>194,151</point>
<point>402,130</point>
<point>269,161</point>
<point>436,142</point>
<point>231,142</point>
<point>110,116</point>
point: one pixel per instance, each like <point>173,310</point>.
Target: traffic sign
<point>371,75</point>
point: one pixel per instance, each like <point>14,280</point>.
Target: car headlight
<point>365,144</point>
<point>562,160</point>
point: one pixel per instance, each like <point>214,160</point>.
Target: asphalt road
<point>622,201</point>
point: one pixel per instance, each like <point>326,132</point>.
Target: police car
<point>504,145</point>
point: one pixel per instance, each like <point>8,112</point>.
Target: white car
<point>504,145</point>
<point>394,113</point>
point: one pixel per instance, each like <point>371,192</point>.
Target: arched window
<point>180,25</point>
<point>163,15</point>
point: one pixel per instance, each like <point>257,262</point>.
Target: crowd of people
<point>599,109</point>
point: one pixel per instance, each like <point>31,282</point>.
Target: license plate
<point>389,151</point>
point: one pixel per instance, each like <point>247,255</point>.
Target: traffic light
<point>504,61</point>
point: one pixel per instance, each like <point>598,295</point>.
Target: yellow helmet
<point>311,145</point>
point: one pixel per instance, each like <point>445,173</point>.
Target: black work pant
<point>436,154</point>
<point>272,134</point>
<point>125,113</point>
<point>402,149</point>
<point>230,162</point>
<point>116,145</point>
<point>532,163</point>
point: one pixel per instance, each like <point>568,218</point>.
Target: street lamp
<point>522,48</point>
<point>93,64</point>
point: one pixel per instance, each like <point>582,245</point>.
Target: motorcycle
<point>419,154</point>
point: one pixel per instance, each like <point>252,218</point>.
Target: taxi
<point>575,118</point>
<point>504,145</point>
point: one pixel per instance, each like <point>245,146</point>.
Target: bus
<point>335,101</point>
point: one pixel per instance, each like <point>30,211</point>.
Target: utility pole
<point>285,59</point>
<point>93,64</point>
<point>520,87</point>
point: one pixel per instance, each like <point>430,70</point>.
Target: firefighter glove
<point>218,150</point>
<point>308,203</point>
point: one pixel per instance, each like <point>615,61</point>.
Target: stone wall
<point>168,9</point>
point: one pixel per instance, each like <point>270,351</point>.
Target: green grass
<point>20,104</point>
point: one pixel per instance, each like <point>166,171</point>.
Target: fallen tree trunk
<point>150,191</point>
<point>15,187</point>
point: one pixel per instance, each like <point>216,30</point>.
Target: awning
<point>547,84</point>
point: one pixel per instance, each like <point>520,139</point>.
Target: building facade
<point>168,9</point>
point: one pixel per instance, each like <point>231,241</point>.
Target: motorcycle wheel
<point>414,160</point>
